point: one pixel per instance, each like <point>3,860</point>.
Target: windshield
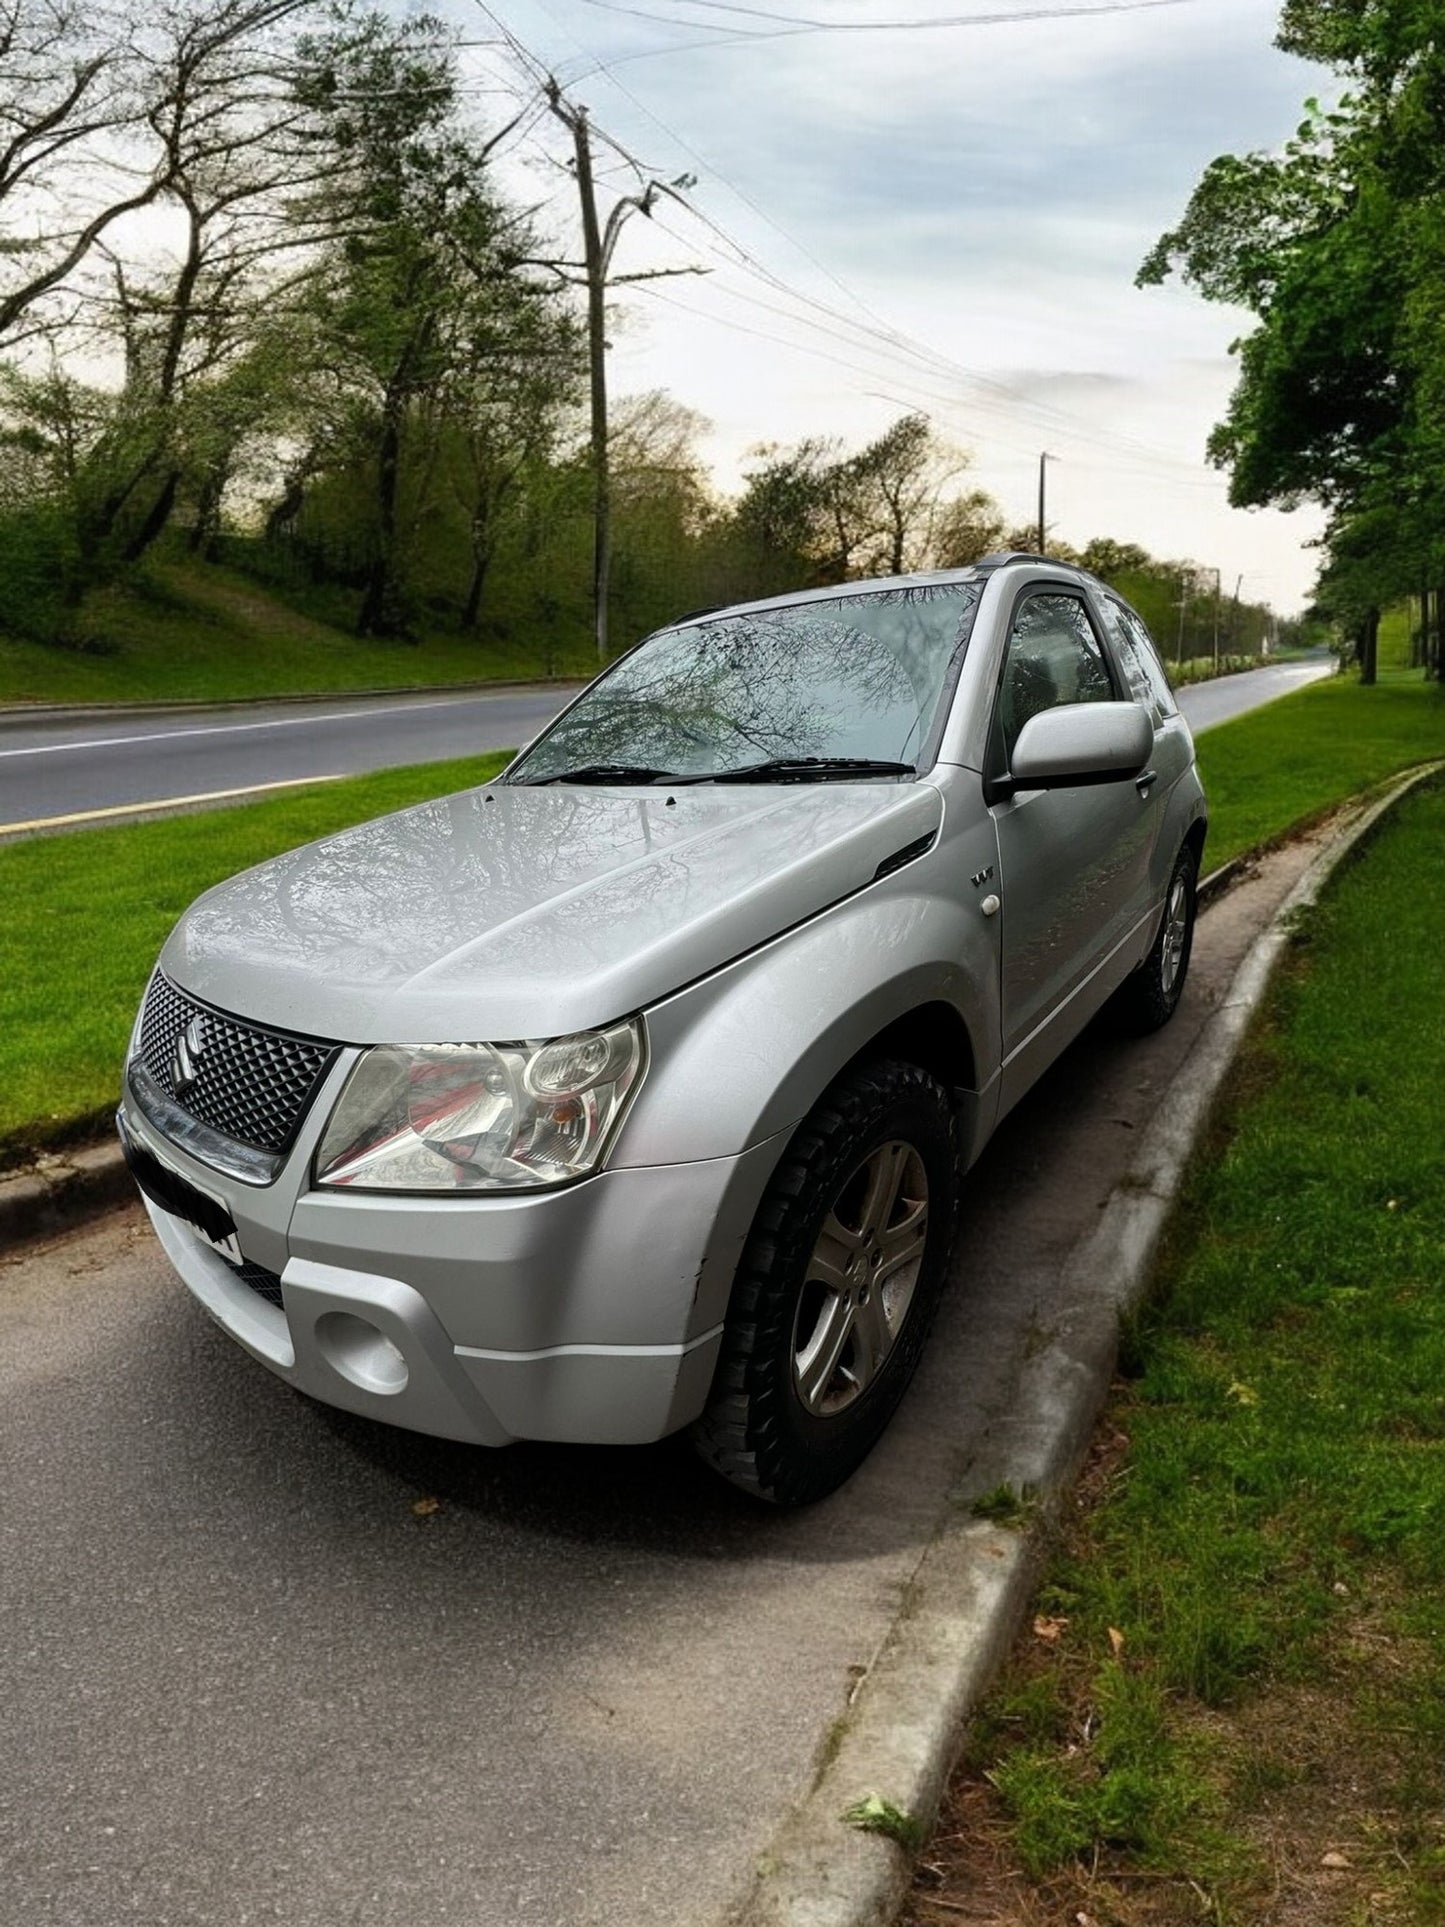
<point>853,679</point>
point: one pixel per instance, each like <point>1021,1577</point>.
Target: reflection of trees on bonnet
<point>358,898</point>
<point>857,675</point>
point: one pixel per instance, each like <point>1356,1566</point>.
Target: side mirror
<point>1081,743</point>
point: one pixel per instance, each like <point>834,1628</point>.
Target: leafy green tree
<point>421,301</point>
<point>818,513</point>
<point>1336,244</point>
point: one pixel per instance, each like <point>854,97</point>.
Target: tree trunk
<point>207,525</point>
<point>287,509</point>
<point>156,518</point>
<point>377,616</point>
<point>481,562</point>
<point>595,258</point>
<point>1368,646</point>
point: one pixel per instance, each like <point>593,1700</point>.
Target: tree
<point>903,476</point>
<point>968,527</point>
<point>1337,244</point>
<point>883,510</point>
<point>424,273</point>
<point>69,92</point>
<point>215,125</point>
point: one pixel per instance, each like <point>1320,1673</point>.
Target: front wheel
<point>1147,1000</point>
<point>837,1287</point>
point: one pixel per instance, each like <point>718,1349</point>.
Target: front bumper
<point>591,1314</point>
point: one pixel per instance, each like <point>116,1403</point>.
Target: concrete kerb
<point>60,1191</point>
<point>905,1723</point>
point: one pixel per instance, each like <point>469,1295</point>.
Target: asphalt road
<point>75,765</point>
<point>252,1673</point>
<point>93,768</point>
<point>1208,703</point>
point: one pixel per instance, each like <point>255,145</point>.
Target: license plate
<point>207,1216</point>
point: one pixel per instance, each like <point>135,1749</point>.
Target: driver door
<point>1073,863</point>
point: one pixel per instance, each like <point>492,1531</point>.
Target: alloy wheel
<point>860,1279</point>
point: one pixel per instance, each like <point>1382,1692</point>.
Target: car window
<point>1054,657</point>
<point>852,675</point>
<point>1143,670</point>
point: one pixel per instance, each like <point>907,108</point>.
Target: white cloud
<point>988,193</point>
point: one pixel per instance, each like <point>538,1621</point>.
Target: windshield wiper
<point>803,769</point>
<point>602,773</point>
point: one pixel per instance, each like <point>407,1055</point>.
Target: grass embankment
<point>86,914</point>
<point>1231,1705</point>
<point>199,632</point>
<point>1297,757</point>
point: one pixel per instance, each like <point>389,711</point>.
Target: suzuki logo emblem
<point>185,1067</point>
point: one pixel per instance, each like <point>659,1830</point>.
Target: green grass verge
<point>199,632</point>
<point>86,915</point>
<point>1295,758</point>
<point>1236,1684</point>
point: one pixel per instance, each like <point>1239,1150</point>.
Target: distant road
<point>71,771</point>
<point>1207,703</point>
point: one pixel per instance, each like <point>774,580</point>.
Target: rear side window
<point>1053,658</point>
<point>1147,681</point>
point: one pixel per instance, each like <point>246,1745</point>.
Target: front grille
<point>250,1084</point>
<point>264,1283</point>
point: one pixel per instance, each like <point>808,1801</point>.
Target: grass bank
<point>1293,759</point>
<point>184,632</point>
<point>1231,1703</point>
<point>86,915</point>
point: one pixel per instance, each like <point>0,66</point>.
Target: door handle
<point>1146,782</point>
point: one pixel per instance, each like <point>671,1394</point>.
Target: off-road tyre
<point>1149,997</point>
<point>757,1430</point>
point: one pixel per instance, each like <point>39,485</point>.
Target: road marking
<point>161,803</point>
<point>236,729</point>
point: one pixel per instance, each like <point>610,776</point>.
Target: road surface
<point>96,767</point>
<point>74,772</point>
<point>1219,701</point>
<point>265,1662</point>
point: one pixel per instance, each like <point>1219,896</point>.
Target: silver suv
<point>631,1091</point>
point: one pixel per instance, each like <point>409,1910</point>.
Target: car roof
<point>979,571</point>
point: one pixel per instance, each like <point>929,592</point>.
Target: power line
<point>880,337</point>
<point>1058,418</point>
<point>915,391</point>
<point>793,25</point>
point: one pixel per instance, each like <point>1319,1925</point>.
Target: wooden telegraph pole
<point>599,243</point>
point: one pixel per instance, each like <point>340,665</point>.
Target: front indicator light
<point>480,1117</point>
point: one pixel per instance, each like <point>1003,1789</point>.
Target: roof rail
<point>1000,556</point>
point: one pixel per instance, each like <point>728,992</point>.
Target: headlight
<point>479,1117</point>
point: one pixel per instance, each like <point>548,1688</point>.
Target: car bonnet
<point>516,912</point>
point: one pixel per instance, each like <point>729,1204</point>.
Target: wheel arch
<point>1194,838</point>
<point>745,1056</point>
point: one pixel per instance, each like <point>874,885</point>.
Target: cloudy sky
<point>898,214</point>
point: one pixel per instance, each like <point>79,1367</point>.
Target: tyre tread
<point>738,1433</point>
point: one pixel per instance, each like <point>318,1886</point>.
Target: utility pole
<point>1044,458</point>
<point>1215,574</point>
<point>599,242</point>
